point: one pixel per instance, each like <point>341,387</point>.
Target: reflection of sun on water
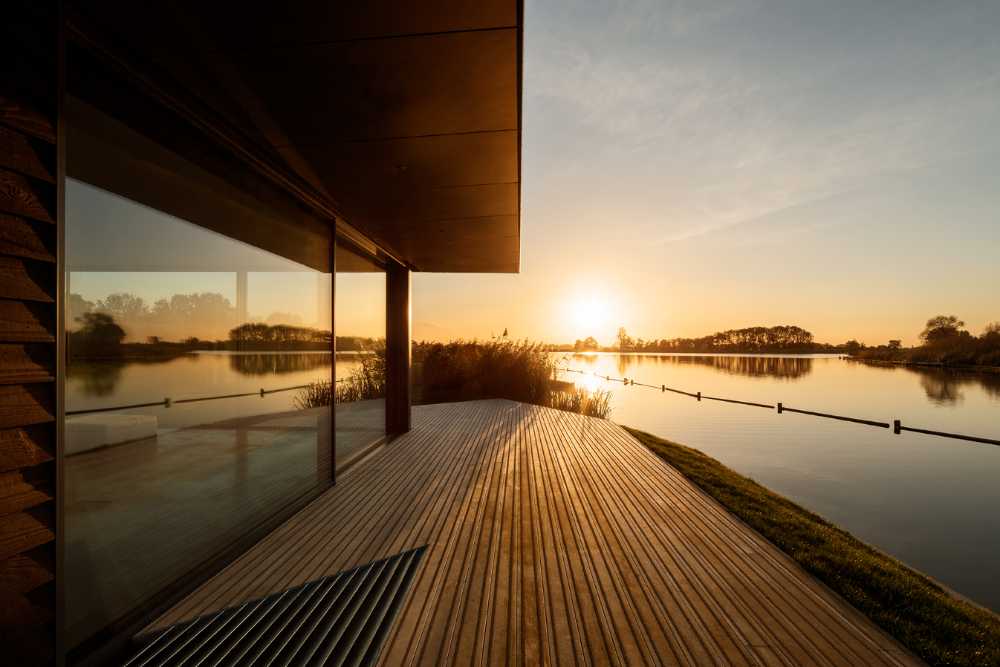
<point>587,381</point>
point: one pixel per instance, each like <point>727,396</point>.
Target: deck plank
<point>553,539</point>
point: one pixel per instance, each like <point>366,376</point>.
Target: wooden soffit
<point>405,117</point>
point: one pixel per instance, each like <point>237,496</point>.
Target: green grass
<point>921,615</point>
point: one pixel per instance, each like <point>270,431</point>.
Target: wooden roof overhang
<point>400,119</point>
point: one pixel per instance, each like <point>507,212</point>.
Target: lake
<point>93,385</point>
<point>932,502</point>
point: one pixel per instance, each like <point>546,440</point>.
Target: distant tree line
<point>260,336</point>
<point>180,317</point>
<point>944,341</point>
<point>123,325</point>
<point>783,338</point>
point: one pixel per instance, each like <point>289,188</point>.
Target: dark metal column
<point>397,349</point>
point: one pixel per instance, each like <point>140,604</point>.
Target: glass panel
<point>360,321</point>
<point>188,422</point>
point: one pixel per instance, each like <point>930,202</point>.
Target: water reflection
<point>96,378</point>
<point>277,364</point>
<point>944,387</point>
<point>788,368</point>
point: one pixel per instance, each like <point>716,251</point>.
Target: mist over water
<point>929,501</point>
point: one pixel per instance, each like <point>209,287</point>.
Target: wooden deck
<point>553,538</point>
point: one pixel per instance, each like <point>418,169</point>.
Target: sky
<point>695,166</point>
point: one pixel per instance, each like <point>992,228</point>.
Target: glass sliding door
<point>360,369</point>
<point>192,418</point>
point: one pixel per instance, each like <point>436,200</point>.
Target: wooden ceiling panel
<point>377,89</point>
<point>492,244</point>
<point>262,24</point>
<point>399,114</point>
<point>461,231</point>
<point>429,178</point>
<point>496,255</point>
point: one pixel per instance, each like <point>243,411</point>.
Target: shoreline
<point>962,368</point>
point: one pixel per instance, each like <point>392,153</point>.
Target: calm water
<point>91,385</point>
<point>932,502</point>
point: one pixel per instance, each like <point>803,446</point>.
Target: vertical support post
<point>397,349</point>
<point>332,431</point>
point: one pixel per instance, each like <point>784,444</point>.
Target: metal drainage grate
<point>338,620</point>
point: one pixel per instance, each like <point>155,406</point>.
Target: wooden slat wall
<point>28,287</point>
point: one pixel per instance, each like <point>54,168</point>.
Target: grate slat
<point>342,619</point>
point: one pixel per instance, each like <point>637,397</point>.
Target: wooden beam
<point>397,349</point>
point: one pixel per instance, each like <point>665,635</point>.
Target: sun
<point>590,314</point>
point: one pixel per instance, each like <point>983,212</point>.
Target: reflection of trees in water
<point>789,368</point>
<point>944,387</point>
<point>98,379</point>
<point>277,364</point>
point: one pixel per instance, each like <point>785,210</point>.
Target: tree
<point>624,340</point>
<point>993,328</point>
<point>76,307</point>
<point>123,306</point>
<point>853,346</point>
<point>895,344</point>
<point>98,335</point>
<point>941,327</point>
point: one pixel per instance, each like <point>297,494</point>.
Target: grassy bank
<point>917,612</point>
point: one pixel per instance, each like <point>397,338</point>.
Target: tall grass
<point>592,404</point>
<point>469,370</point>
<point>515,370</point>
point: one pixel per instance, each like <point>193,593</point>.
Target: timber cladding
<point>29,280</point>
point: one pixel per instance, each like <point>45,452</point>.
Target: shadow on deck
<point>552,538</point>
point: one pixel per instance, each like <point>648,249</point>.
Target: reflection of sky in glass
<point>117,246</point>
<point>361,304</point>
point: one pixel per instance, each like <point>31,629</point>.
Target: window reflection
<point>360,376</point>
<point>185,431</point>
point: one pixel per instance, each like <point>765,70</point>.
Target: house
<point>176,171</point>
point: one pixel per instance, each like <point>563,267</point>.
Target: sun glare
<point>590,315</point>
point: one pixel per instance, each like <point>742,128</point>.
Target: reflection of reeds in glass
<point>366,381</point>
